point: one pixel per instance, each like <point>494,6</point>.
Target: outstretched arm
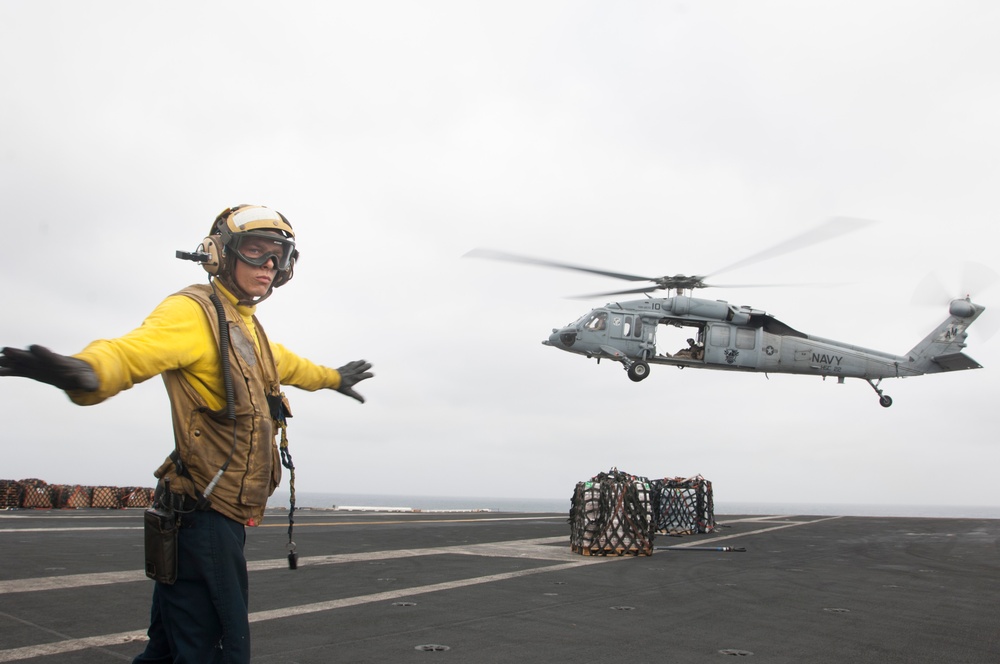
<point>303,374</point>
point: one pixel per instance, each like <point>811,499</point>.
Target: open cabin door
<point>680,342</point>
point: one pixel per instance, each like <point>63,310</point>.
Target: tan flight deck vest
<point>204,437</point>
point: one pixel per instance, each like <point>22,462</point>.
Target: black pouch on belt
<point>160,526</point>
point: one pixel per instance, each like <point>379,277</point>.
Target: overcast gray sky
<point>646,137</point>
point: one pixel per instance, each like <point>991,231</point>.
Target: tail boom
<point>941,350</point>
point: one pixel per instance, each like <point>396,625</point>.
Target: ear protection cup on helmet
<point>212,246</point>
<point>283,278</point>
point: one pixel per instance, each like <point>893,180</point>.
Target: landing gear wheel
<point>884,400</point>
<point>638,371</point>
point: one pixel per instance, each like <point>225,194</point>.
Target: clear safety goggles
<point>257,248</point>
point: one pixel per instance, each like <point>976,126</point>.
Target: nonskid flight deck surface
<point>505,587</point>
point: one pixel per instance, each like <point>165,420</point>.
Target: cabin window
<point>627,328</point>
<point>719,335</point>
<point>637,332</point>
<point>745,338</point>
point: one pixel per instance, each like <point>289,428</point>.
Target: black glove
<point>41,364</point>
<point>351,374</point>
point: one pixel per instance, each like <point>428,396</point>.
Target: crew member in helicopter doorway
<point>223,377</point>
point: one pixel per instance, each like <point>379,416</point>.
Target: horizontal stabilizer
<point>956,362</point>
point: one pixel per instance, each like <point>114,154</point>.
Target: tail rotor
<point>976,280</point>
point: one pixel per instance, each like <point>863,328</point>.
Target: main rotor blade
<point>647,289</point>
<point>516,258</point>
<point>832,228</point>
<point>650,289</point>
<point>797,285</point>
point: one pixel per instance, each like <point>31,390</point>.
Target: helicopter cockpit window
<point>598,321</point>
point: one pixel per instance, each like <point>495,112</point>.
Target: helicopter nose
<point>563,338</point>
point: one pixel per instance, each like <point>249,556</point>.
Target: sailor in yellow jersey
<point>224,378</point>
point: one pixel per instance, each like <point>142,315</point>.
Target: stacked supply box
<point>612,514</point>
<point>38,494</point>
<point>11,494</point>
<point>75,496</point>
<point>683,506</point>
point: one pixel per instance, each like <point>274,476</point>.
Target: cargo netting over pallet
<point>683,506</point>
<point>34,493</point>
<point>612,514</point>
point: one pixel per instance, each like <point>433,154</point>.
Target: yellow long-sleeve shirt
<point>177,335</point>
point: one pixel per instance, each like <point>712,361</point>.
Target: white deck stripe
<point>420,590</point>
<point>106,640</point>
<point>788,524</point>
<point>298,524</point>
<point>71,645</point>
<point>520,548</point>
<point>66,529</point>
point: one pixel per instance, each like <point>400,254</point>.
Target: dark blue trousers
<point>203,617</point>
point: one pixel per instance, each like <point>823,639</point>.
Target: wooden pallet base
<point>609,551</point>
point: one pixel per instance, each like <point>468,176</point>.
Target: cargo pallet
<point>611,551</point>
<point>611,515</point>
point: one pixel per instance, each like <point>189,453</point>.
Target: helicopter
<point>721,336</point>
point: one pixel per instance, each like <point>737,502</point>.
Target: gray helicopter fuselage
<point>727,337</point>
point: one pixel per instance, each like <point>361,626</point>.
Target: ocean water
<point>305,499</point>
